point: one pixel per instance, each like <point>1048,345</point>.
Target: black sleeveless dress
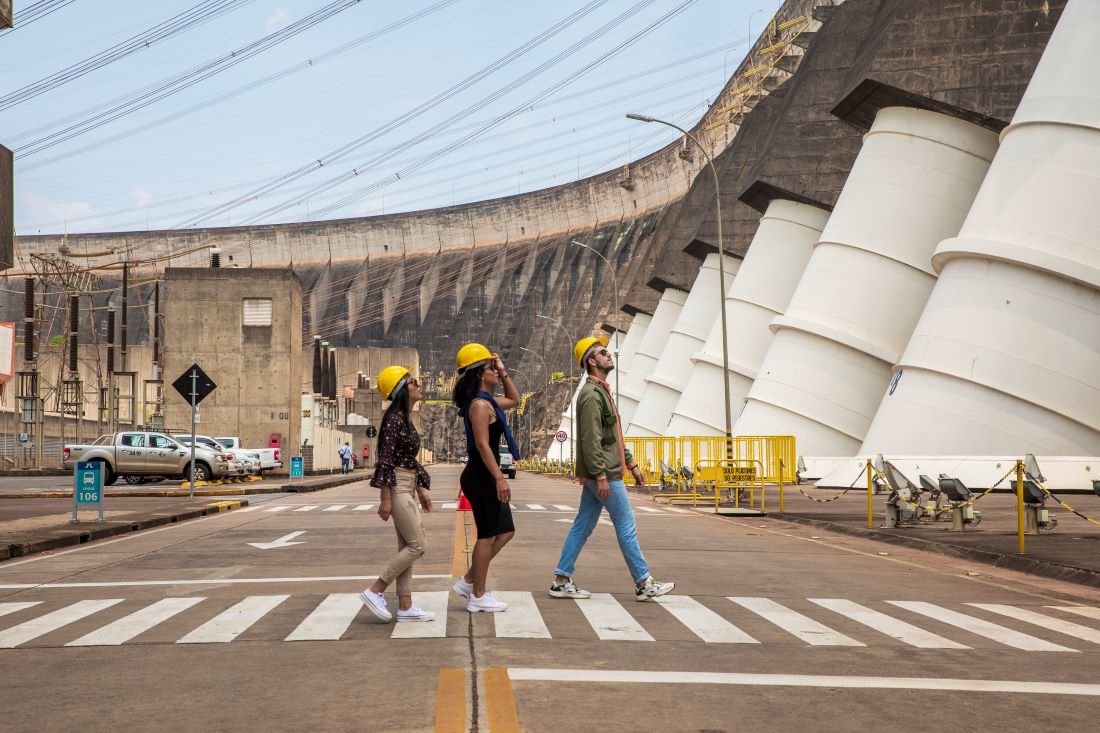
<point>491,515</point>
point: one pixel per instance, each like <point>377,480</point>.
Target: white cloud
<point>276,20</point>
<point>141,196</point>
<point>45,215</point>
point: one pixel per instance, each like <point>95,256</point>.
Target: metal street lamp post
<point>615,281</point>
<point>545,370</point>
<point>569,350</point>
<point>721,271</point>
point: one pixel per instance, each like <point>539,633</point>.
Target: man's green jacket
<point>598,450</point>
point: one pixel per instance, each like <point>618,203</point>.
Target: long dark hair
<point>468,383</point>
<point>399,405</point>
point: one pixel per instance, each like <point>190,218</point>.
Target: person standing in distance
<point>483,483</point>
<point>404,486</point>
<point>345,458</point>
<point>601,456</point>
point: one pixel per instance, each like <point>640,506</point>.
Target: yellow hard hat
<point>582,347</point>
<point>390,378</point>
<point>471,355</point>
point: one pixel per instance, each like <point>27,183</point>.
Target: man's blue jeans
<point>345,464</point>
<point>626,529</point>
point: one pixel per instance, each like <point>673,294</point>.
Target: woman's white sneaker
<point>463,587</point>
<point>485,604</point>
<point>415,613</point>
<point>376,604</point>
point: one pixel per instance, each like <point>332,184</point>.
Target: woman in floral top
<point>404,488</point>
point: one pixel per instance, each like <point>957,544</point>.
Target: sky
<point>132,115</point>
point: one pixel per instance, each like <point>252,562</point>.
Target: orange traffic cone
<point>463,503</point>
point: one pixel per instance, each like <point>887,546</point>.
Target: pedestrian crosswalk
<point>816,622</point>
<point>441,505</point>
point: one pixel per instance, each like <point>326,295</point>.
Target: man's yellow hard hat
<point>580,351</point>
<point>471,355</point>
<point>390,378</point>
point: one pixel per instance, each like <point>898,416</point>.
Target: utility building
<point>244,328</point>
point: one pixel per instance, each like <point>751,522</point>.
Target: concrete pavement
<point>773,626</point>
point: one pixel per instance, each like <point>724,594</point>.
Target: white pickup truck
<point>268,458</point>
<point>143,454</point>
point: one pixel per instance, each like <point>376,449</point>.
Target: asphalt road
<point>771,627</point>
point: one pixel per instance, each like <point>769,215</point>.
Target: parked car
<point>147,455</point>
<point>243,465</point>
<point>507,463</point>
<point>266,458</point>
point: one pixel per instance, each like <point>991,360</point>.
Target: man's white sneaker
<point>567,590</point>
<point>415,613</point>
<point>463,587</point>
<point>376,604</point>
<point>485,604</point>
<point>652,589</point>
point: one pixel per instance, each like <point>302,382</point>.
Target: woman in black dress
<point>482,481</point>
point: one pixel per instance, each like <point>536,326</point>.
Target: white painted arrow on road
<point>283,541</point>
<point>602,520</point>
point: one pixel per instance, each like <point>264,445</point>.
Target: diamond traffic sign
<point>204,385</point>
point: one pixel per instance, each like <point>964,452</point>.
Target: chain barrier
<point>1064,505</point>
<point>842,493</point>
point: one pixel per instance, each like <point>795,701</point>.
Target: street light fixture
<point>569,350</point>
<point>545,370</point>
<point>615,281</point>
<point>721,270</point>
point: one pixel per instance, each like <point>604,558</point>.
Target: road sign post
<point>561,436</point>
<point>297,469</point>
<point>194,386</point>
<point>88,486</point>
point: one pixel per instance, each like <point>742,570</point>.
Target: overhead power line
<point>207,103</point>
<point>397,122</point>
<point>110,111</point>
<point>188,19</point>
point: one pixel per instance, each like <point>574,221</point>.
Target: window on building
<point>257,312</point>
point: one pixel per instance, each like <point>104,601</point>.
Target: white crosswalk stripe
<point>610,620</point>
<point>37,627</point>
<point>329,620</point>
<point>564,507</point>
<point>246,509</point>
<point>795,623</point>
<point>1001,634</point>
<point>434,601</point>
<point>1048,622</point>
<point>900,630</point>
<point>522,620</point>
<point>363,507</point>
<point>277,508</point>
<point>334,508</point>
<point>331,616</point>
<point>677,510</point>
<point>537,507</point>
<point>703,622</point>
<point>306,508</point>
<point>138,622</point>
<point>448,505</point>
<point>1086,611</point>
<point>6,608</point>
<point>650,509</point>
<point>233,622</point>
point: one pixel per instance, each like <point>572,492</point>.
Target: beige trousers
<point>409,524</point>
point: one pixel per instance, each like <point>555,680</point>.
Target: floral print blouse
<point>397,448</point>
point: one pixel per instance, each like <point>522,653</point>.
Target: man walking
<point>601,456</point>
<point>345,458</point>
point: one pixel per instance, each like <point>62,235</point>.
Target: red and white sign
<point>561,436</point>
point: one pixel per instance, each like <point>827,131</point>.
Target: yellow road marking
<point>500,702</point>
<point>450,701</point>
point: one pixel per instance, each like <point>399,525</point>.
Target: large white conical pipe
<point>762,289</point>
<point>664,385</point>
<point>1006,357</point>
<point>649,351</point>
<point>562,450</point>
<point>638,326</point>
<point>867,280</point>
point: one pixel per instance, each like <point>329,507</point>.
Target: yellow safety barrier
<point>733,475</point>
<point>657,457</point>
